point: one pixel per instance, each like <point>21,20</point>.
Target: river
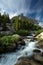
<point>11,58</point>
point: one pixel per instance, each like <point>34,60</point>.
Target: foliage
<point>39,31</point>
<point>20,24</point>
<point>24,23</point>
<point>23,32</point>
<point>2,34</point>
<point>9,40</point>
<point>3,20</point>
<point>16,23</point>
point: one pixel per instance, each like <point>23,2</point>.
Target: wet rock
<point>42,54</point>
<point>26,61</point>
<point>21,58</point>
<point>40,44</point>
<point>36,51</point>
<point>23,62</point>
<point>35,59</point>
<point>21,42</point>
<point>38,58</point>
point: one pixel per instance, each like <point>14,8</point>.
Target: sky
<point>30,8</point>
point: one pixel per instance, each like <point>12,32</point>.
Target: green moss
<point>23,32</point>
<point>9,40</point>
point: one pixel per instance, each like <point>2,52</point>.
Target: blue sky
<point>30,8</point>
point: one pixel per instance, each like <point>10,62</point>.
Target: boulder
<point>40,39</point>
<point>36,51</point>
<point>40,36</point>
<point>38,57</point>
<point>42,54</point>
<point>21,42</point>
<point>26,61</point>
<point>40,44</point>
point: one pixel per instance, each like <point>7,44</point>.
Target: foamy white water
<point>11,58</point>
<point>28,49</point>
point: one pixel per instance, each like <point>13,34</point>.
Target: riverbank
<point>36,59</point>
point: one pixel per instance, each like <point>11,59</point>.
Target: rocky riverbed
<point>29,54</point>
<point>36,58</point>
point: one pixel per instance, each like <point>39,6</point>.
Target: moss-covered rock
<point>10,43</point>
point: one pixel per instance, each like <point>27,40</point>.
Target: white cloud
<point>37,17</point>
<point>15,7</point>
<point>41,24</point>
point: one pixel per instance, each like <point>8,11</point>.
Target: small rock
<point>36,51</point>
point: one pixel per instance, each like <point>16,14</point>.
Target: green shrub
<point>23,32</point>
<point>9,40</point>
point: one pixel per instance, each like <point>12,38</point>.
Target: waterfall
<point>30,46</point>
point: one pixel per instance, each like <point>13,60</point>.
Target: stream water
<point>11,58</point>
